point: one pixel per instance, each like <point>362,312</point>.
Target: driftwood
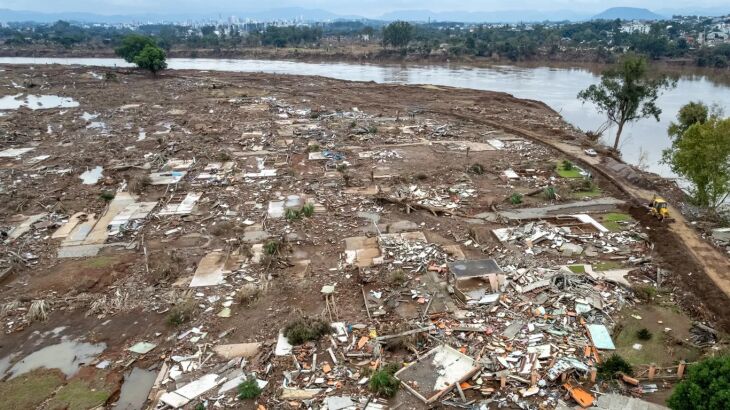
<point>435,210</point>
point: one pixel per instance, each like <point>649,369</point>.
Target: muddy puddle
<point>135,389</point>
<point>36,102</point>
<point>66,356</point>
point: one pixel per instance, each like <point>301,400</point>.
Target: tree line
<point>599,41</point>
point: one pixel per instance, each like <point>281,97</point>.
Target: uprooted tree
<point>700,152</point>
<point>142,51</point>
<point>627,93</point>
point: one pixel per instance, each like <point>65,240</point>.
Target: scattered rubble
<point>208,218</point>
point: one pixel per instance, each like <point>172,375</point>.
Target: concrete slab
<point>437,372</point>
<point>22,228</point>
<point>595,205</point>
<point>210,270</point>
<point>99,232</point>
<point>14,152</point>
<point>190,391</point>
<point>237,350</point>
<point>65,229</point>
<point>473,268</point>
<point>185,207</point>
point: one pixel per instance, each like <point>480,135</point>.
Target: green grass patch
<point>567,171</point>
<point>28,391</point>
<point>383,383</point>
<point>100,262</point>
<point>660,348</point>
<point>577,268</point>
<point>594,192</point>
<point>81,394</point>
<point>605,265</point>
<point>249,389</point>
<point>612,221</point>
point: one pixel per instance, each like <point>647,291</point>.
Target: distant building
<point>635,27</point>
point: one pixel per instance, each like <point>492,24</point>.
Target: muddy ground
<point>131,124</point>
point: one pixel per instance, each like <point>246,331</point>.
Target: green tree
<point>132,45</point>
<point>397,34</point>
<point>702,156</point>
<point>707,386</point>
<point>626,93</point>
<point>151,58</point>
<point>690,114</point>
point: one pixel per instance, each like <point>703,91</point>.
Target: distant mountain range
<point>627,13</point>
<point>507,16</point>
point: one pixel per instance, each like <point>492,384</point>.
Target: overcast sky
<point>358,7</point>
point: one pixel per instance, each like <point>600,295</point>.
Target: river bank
<point>374,54</point>
<point>643,141</point>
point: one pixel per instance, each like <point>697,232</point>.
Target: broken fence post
<point>680,369</point>
<point>652,371</point>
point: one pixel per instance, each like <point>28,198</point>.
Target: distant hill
<point>627,13</point>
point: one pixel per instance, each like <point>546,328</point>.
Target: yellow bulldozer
<point>659,209</point>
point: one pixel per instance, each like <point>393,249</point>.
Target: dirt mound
<point>696,291</point>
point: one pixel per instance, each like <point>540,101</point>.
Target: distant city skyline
<point>365,8</point>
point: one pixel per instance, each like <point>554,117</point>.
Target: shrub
<point>165,266</point>
<point>707,386</point>
<point>398,277</point>
<point>222,228</point>
<point>181,313</point>
<point>249,389</point>
<point>341,168</point>
<point>549,193</point>
<point>614,364</point>
<point>643,334</point>
<point>107,195</point>
<point>224,156</point>
<point>567,165</point>
<point>248,294</point>
<point>587,185</point>
<point>477,169</point>
<point>645,293</point>
<point>308,210</point>
<point>305,330</point>
<point>313,148</point>
<point>383,383</point>
<point>292,215</point>
<point>271,247</point>
<point>515,198</point>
